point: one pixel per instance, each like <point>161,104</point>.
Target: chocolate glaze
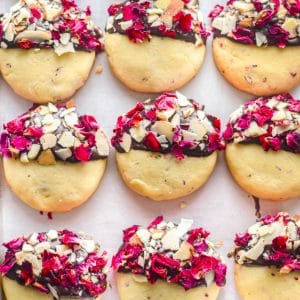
<point>61,292</point>
<point>184,36</point>
<point>268,250</point>
<point>255,140</point>
<point>293,42</point>
<point>200,282</point>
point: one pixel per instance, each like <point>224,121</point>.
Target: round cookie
<point>256,46</point>
<point>267,264</point>
<point>133,287</point>
<point>47,49</point>
<point>265,283</point>
<point>157,262</point>
<point>263,150</point>
<point>166,148</point>
<point>161,176</point>
<point>42,266</point>
<point>158,49</point>
<point>53,159</point>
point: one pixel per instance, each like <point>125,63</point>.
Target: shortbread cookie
<point>54,265</point>
<point>53,159</point>
<point>166,148</point>
<point>267,259</point>
<point>263,150</point>
<point>168,261</point>
<point>257,45</point>
<point>47,48</point>
<point>155,46</point>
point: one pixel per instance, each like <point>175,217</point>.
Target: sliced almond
<point>163,128</point>
<point>126,142</point>
<point>34,35</point>
<point>171,240</point>
<point>171,10</point>
<point>51,13</point>
<point>24,158</point>
<point>48,141</point>
<point>138,133</point>
<point>184,252</point>
<point>66,139</point>
<point>162,4</point>
<point>62,49</point>
<point>175,120</point>
<point>243,7</point>
<point>291,25</point>
<point>46,158</point>
<point>102,143</point>
<point>64,153</point>
<point>164,115</point>
<point>198,128</point>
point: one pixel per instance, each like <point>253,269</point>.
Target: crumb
<point>99,69</point>
<point>183,204</point>
<point>219,244</point>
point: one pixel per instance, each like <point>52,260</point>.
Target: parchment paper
<point>220,206</point>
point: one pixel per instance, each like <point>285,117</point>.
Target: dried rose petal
<point>216,11</point>
<point>82,153</point>
<point>155,222</point>
<point>16,126</point>
<point>89,122</point>
<point>113,9</point>
<point>263,115</point>
<point>244,35</point>
<point>21,143</point>
<point>151,141</point>
<point>227,134</point>
<point>242,240</point>
<point>184,21</point>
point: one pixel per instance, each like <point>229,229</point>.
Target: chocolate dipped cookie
<point>54,265</point>
<point>267,259</point>
<point>263,147</point>
<point>168,261</point>
<point>54,159</point>
<point>155,46</point>
<point>47,48</point>
<point>256,45</point>
<point>167,147</point>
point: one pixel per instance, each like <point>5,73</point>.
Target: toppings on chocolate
<point>273,123</point>
<point>48,133</point>
<point>172,252</point>
<point>142,19</point>
<point>259,22</point>
<point>58,24</point>
<point>272,241</point>
<point>171,123</point>
<point>61,263</point>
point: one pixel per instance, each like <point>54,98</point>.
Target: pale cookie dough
<point>257,71</point>
<point>161,176</point>
<point>271,175</point>
<point>42,76</point>
<point>136,287</point>
<point>54,188</point>
<point>14,291</point>
<point>163,64</point>
<point>266,283</point>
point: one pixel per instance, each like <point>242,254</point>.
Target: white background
<point>220,206</point>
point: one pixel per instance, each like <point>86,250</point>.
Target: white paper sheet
<point>220,206</point>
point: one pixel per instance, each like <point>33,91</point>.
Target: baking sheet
<point>220,206</point>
